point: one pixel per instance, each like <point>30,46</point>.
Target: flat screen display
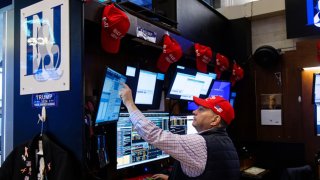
<point>143,3</point>
<point>302,18</point>
<point>316,88</point>
<point>110,101</point>
<point>232,98</point>
<point>146,87</point>
<point>182,124</point>
<point>219,88</point>
<point>188,82</point>
<point>317,119</point>
<point>131,148</point>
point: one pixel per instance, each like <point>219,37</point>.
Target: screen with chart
<point>182,124</point>
<point>146,87</point>
<point>131,148</point>
<point>188,82</point>
<point>110,101</point>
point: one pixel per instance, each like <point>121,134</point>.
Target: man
<point>210,154</point>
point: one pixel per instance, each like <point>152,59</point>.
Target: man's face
<point>203,118</point>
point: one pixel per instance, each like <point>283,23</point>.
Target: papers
<point>254,170</point>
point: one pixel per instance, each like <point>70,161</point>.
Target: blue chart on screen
<point>110,100</point>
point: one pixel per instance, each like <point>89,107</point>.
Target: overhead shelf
<point>93,12</point>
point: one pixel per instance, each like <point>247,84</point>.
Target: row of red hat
<point>172,52</point>
<point>115,24</point>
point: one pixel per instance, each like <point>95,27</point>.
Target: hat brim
<point>201,102</point>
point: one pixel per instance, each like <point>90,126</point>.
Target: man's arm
<point>189,150</point>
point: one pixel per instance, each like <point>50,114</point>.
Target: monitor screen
<point>146,87</point>
<point>317,119</point>
<point>219,88</point>
<point>143,3</point>
<point>316,88</point>
<point>182,124</point>
<point>110,101</point>
<point>188,82</point>
<point>232,98</point>
<point>302,18</point>
<point>131,148</point>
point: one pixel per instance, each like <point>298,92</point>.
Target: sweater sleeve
<point>189,150</point>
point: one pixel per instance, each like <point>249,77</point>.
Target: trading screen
<point>131,148</point>
<point>182,124</point>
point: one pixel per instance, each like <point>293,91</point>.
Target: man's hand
<point>160,176</point>
<point>126,96</point>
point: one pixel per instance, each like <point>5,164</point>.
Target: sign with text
<point>146,34</point>
<point>44,47</point>
<point>45,99</point>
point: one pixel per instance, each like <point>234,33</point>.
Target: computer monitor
<point>219,88</point>
<point>110,101</point>
<point>146,87</point>
<point>317,119</point>
<point>143,3</point>
<point>131,148</point>
<point>182,124</point>
<point>316,88</point>
<point>188,82</point>
<point>232,98</point>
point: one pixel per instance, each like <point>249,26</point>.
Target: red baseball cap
<point>222,64</point>
<point>171,53</point>
<point>218,105</point>
<point>237,73</point>
<point>114,25</point>
<point>203,56</point>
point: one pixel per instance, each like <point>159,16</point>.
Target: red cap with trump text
<point>172,52</point>
<point>114,25</point>
<point>218,105</point>
<point>222,64</point>
<point>203,56</point>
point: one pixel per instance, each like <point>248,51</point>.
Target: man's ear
<point>216,121</point>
